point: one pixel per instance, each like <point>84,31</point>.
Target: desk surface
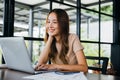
<point>6,74</point>
<point>101,77</point>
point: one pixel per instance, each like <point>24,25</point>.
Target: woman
<point>62,48</point>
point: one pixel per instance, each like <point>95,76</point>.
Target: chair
<point>103,67</point>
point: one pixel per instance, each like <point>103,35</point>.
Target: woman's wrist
<point>57,67</point>
<point>50,39</point>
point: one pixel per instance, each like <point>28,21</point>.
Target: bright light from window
<point>30,2</point>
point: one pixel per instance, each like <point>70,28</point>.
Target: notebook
<point>16,55</point>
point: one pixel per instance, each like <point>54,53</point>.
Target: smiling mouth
<point>51,30</point>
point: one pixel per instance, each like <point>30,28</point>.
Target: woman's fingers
<point>36,67</point>
<point>41,67</point>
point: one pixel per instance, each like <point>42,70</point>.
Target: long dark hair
<point>63,22</point>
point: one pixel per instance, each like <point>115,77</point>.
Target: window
<point>97,27</point>
<point>1,25</point>
<point>96,23</point>
<point>1,17</point>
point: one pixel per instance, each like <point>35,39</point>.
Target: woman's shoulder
<point>72,36</point>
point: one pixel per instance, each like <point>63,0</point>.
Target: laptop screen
<point>15,54</point>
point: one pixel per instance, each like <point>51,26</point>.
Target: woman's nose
<point>50,24</point>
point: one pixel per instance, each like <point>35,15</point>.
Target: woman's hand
<point>52,66</point>
<point>41,67</point>
<point>46,67</point>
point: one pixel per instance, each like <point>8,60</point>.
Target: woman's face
<point>52,25</point>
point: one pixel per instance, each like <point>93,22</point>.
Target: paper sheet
<point>54,76</point>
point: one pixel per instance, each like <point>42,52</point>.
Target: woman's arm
<point>44,54</point>
<point>81,66</point>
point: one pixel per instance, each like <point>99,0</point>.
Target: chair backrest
<point>103,67</point>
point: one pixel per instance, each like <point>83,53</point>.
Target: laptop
<point>16,55</point>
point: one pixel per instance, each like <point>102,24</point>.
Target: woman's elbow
<point>86,69</point>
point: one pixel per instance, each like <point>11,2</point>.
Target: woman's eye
<point>48,22</point>
<point>54,22</point>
